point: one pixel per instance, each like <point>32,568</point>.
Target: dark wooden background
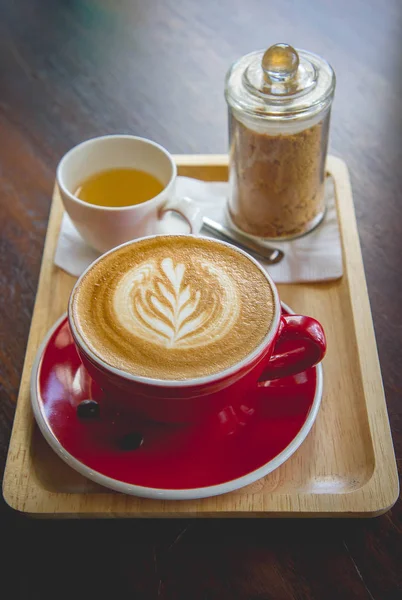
<point>72,69</point>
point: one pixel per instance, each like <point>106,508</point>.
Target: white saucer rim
<point>166,493</point>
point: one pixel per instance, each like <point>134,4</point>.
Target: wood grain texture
<point>346,467</point>
<point>71,70</point>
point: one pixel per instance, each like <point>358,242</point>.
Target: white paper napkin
<point>314,257</point>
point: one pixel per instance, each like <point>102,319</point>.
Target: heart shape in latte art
<point>156,301</point>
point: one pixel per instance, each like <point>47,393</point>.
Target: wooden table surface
<point>70,70</point>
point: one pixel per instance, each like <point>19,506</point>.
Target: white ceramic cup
<point>105,227</point>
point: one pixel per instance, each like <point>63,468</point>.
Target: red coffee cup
<point>292,344</point>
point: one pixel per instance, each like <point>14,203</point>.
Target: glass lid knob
<point>280,63</point>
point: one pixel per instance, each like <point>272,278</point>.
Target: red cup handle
<point>300,344</point>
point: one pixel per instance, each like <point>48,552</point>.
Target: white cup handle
<point>187,209</point>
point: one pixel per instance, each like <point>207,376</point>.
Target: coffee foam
<point>173,307</point>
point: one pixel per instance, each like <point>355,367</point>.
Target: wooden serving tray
<point>346,466</point>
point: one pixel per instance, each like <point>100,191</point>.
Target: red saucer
<point>154,460</point>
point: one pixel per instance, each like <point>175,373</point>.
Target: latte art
<point>173,307</point>
<point>153,303</point>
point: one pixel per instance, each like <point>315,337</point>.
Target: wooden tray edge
<point>385,474</point>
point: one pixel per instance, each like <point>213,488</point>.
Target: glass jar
<point>279,108</point>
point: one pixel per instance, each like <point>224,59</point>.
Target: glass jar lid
<point>280,82</point>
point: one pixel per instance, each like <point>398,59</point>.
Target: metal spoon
<point>269,255</point>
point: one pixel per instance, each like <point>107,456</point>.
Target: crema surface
<point>173,307</point>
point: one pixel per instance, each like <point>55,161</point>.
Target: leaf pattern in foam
<point>153,302</point>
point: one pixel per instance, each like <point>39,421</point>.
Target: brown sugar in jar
<point>277,181</point>
<point>279,110</point>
